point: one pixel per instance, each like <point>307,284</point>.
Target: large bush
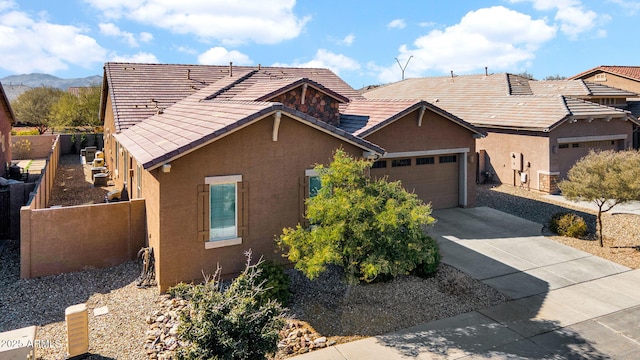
<point>373,228</point>
<point>568,224</point>
<point>232,323</point>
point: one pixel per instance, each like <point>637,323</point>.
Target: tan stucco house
<point>6,119</point>
<point>536,129</point>
<point>224,156</point>
<point>620,77</point>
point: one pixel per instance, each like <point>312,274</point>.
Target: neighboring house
<point>620,77</point>
<point>224,156</point>
<point>6,119</point>
<point>536,129</point>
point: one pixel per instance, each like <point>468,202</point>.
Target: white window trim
<point>218,180</point>
<point>310,172</point>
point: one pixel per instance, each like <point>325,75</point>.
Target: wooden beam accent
<point>423,109</point>
<point>304,92</point>
<point>276,125</point>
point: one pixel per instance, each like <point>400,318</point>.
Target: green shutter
<point>203,212</point>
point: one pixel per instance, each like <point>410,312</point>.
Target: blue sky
<point>365,42</point>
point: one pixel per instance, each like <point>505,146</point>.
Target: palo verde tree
<point>372,228</point>
<point>606,178</point>
<point>33,107</point>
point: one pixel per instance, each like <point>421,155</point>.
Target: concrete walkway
<point>566,303</point>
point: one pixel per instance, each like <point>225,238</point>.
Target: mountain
<point>14,85</point>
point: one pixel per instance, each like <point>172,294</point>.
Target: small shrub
<point>230,323</point>
<point>430,260</point>
<point>21,149</point>
<point>568,224</point>
<point>275,282</point>
<point>83,141</point>
<point>24,132</point>
<point>74,146</point>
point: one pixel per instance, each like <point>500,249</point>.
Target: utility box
<point>516,161</point>
<point>77,321</point>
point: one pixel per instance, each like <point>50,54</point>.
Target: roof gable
<point>630,72</point>
<point>364,117</point>
<point>193,123</point>
<point>6,105</point>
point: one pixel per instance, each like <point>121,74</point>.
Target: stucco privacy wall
<point>67,239</point>
<point>273,172</point>
<point>40,145</point>
<point>534,148</point>
<point>5,138</point>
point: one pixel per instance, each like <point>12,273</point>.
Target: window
<point>379,164</point>
<point>222,202</point>
<point>600,77</point>
<point>563,146</point>
<point>314,185</point>
<point>448,159</point>
<point>222,208</point>
<point>400,162</point>
<point>425,160</point>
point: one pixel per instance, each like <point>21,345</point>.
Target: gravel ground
<point>618,229</point>
<point>340,312</point>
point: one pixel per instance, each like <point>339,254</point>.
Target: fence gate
<point>4,212</point>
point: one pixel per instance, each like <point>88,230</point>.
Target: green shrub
<point>371,227</point>
<point>568,224</point>
<point>275,282</point>
<point>24,132</point>
<point>230,323</point>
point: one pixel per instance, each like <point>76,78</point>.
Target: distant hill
<point>14,85</point>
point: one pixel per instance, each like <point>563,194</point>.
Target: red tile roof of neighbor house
<point>504,100</point>
<point>194,122</point>
<point>138,90</point>
<point>364,117</point>
<point>631,72</point>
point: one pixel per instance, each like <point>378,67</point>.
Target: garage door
<point>570,153</point>
<point>434,179</point>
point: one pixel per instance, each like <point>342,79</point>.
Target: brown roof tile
<point>631,72</point>
<point>486,100</point>
<point>133,86</point>
<point>363,117</point>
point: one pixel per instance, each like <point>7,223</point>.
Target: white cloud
<point>35,45</point>
<point>348,40</point>
<point>110,29</point>
<point>145,37</point>
<point>495,37</point>
<point>632,7</point>
<point>219,56</point>
<point>186,50</point>
<point>232,23</point>
<point>571,16</point>
<point>397,24</point>
<point>326,59</point>
<point>140,57</point>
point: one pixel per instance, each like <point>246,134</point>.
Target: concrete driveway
<point>566,303</point>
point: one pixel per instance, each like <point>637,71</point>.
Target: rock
<point>320,340</point>
<point>303,351</point>
<point>160,318</point>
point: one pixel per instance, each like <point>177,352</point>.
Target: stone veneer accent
<point>316,104</point>
<point>548,183</point>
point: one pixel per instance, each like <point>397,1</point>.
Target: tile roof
<point>487,100</point>
<point>6,104</point>
<point>631,72</point>
<point>193,122</point>
<point>363,117</point>
<point>137,91</point>
<point>266,89</point>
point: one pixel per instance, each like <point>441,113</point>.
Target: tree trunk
<point>600,225</point>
